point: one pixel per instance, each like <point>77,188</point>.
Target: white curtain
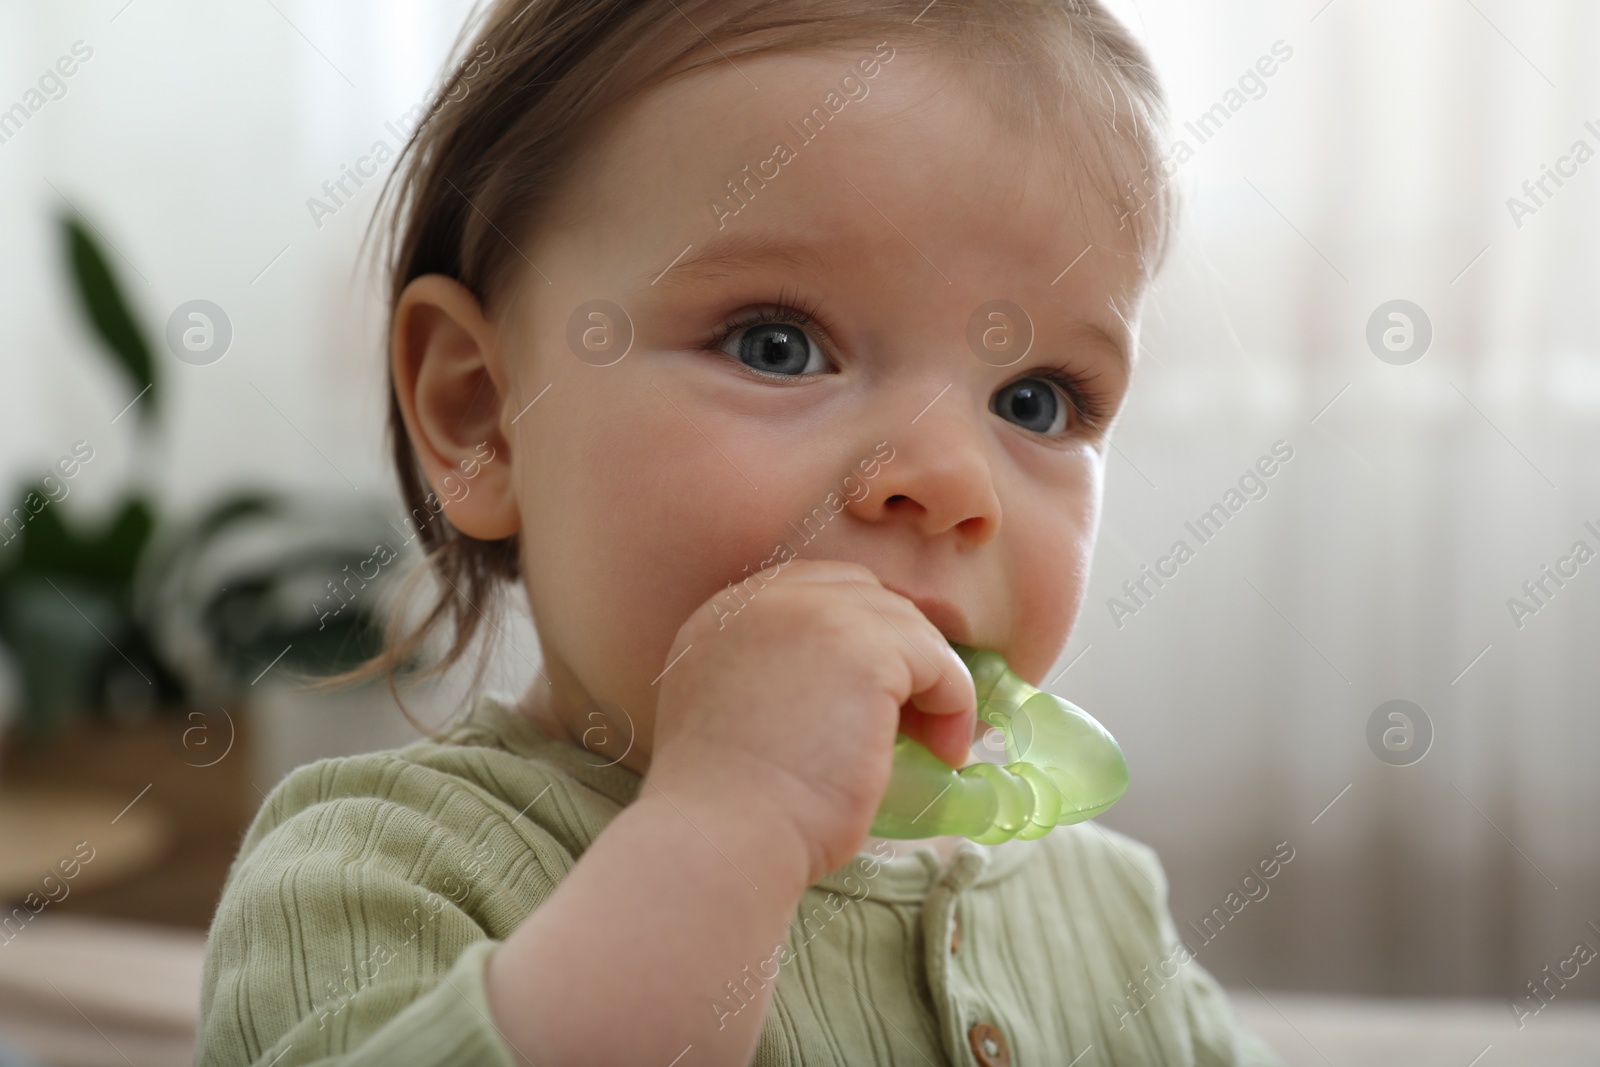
<point>1373,164</point>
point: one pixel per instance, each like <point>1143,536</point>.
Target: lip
<point>948,618</point>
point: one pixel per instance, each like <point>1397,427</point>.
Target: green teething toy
<point>1065,768</point>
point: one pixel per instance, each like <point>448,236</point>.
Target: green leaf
<point>102,300</point>
<point>57,648</point>
<point>79,652</point>
<point>50,545</point>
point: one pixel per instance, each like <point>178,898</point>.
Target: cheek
<point>635,519</point>
<point>1054,539</point>
<point>602,499</point>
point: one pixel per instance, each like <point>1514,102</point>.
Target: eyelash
<point>1087,405</point>
<point>800,311</point>
<point>790,307</point>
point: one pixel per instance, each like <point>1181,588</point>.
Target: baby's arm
<point>676,898</point>
<point>357,919</point>
<point>375,895</point>
<point>771,751</point>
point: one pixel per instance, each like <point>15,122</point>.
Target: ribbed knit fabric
<point>369,891</point>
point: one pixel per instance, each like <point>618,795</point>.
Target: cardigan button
<point>989,1045</point>
<point>955,932</point>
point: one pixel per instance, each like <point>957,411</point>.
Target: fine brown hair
<point>537,80</point>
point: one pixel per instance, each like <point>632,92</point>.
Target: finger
<point>943,704</point>
<point>947,736</point>
<point>941,707</point>
<point>940,682</point>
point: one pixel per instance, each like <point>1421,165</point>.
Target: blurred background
<point>1381,659</point>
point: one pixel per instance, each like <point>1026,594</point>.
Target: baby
<point>770,348</point>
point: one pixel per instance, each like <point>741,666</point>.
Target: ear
<point>450,385</point>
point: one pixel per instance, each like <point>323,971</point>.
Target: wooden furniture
<point>100,958</point>
<point>163,805</point>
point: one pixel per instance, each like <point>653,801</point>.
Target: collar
<point>911,873</point>
<point>499,717</point>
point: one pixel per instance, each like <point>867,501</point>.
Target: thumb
<point>948,736</point>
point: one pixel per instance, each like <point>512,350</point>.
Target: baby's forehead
<point>880,155</point>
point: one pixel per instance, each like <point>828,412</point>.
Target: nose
<point>939,478</point>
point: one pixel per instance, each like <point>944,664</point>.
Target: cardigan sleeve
<point>359,917</point>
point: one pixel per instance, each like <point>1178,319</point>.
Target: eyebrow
<point>718,258</point>
<point>724,254</point>
<point>1098,337</point>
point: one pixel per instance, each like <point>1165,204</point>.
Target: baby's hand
<point>789,711</point>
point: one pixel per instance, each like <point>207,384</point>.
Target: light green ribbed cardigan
<point>357,917</point>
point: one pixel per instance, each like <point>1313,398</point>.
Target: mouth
<point>945,615</point>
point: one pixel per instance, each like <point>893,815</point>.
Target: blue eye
<point>775,342</point>
<point>781,348</point>
<point>1034,404</point>
<point>778,343</point>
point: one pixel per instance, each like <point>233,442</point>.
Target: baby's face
<point>647,485</point>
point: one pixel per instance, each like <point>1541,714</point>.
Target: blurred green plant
<point>89,614</point>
